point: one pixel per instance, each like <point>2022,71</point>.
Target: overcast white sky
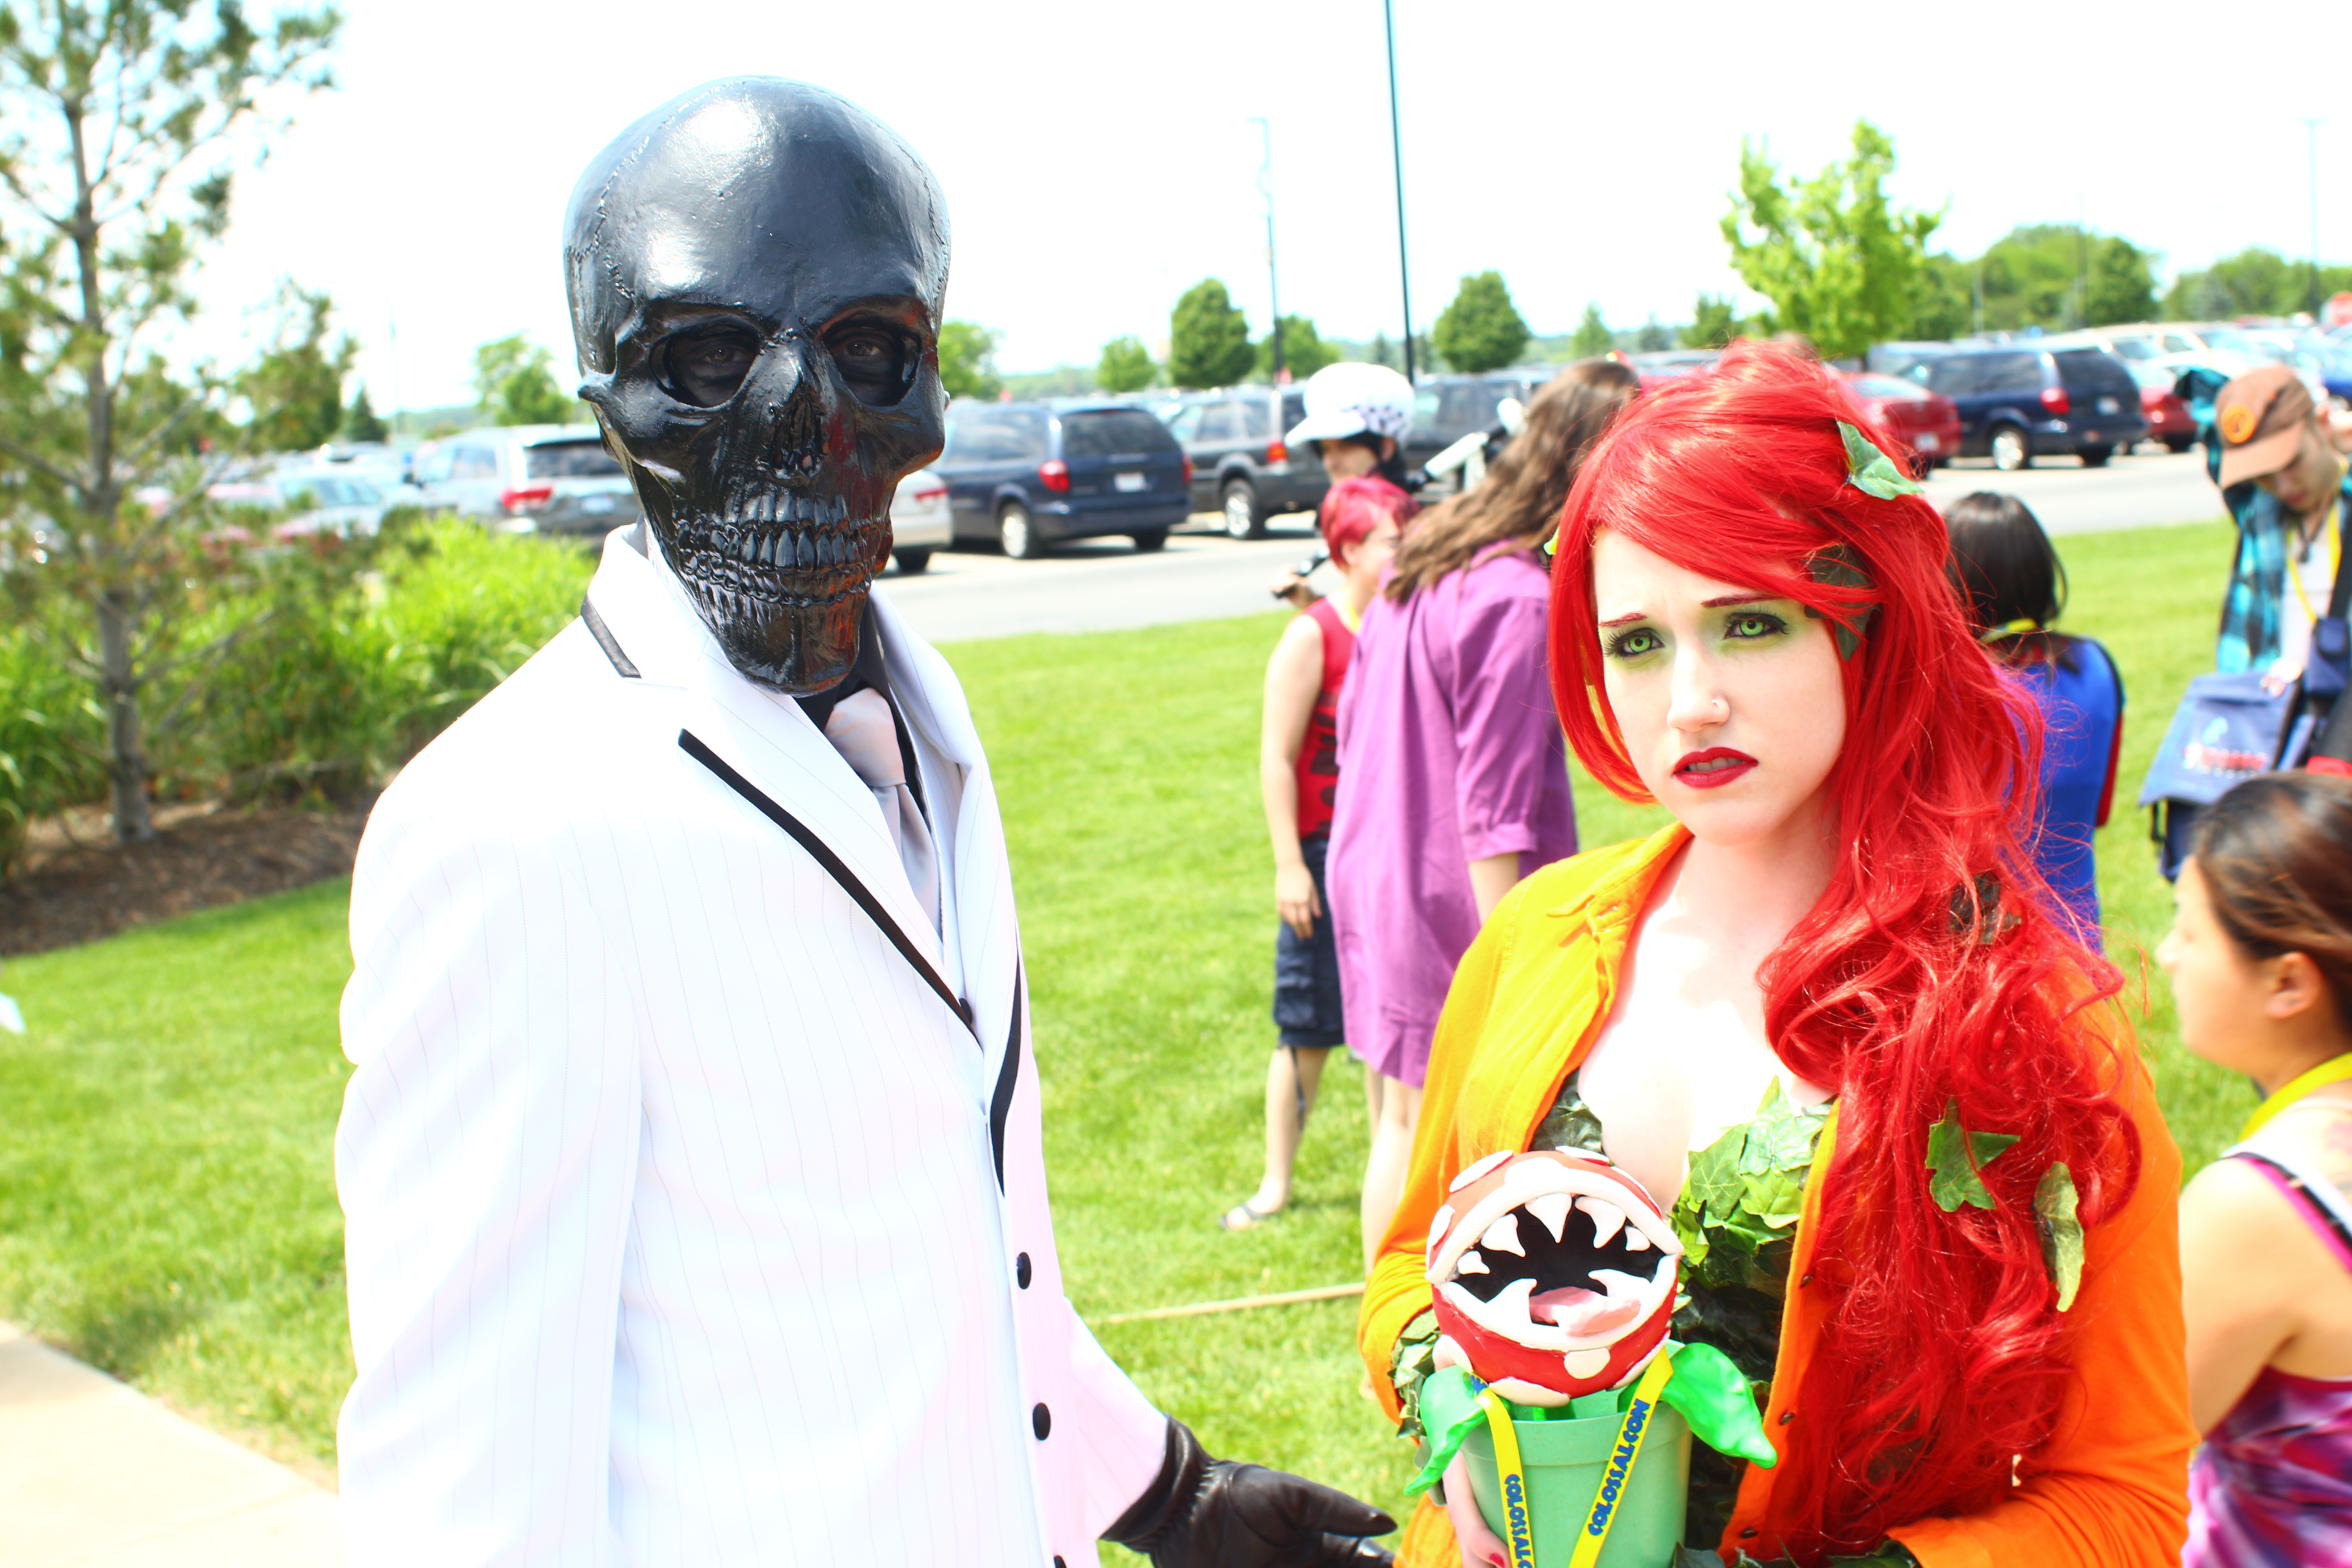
<point>1098,159</point>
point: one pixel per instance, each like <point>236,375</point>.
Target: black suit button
<point>1021,1272</point>
<point>1749,1533</point>
<point>1786,1415</point>
<point>1041,1421</point>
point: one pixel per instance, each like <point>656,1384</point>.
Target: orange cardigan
<point>2110,1489</point>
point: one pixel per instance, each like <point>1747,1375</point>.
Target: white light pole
<point>1273,287</point>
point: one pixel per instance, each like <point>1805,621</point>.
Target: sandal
<point>1244,1215</point>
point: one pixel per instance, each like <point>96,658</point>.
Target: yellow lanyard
<point>2334,1070</point>
<point>1632,1433</point>
<point>1351,619</point>
<point>2328,526</point>
<point>1518,1535</point>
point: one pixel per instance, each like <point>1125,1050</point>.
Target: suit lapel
<point>762,736</point>
<point>987,927</point>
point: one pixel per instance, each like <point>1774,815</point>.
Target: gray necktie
<point>862,730</point>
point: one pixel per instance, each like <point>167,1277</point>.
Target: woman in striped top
<point>2261,960</point>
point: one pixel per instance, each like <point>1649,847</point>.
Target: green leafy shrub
<point>336,690</point>
<point>51,732</point>
<point>336,686</point>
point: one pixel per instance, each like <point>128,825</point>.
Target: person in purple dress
<point>2013,588</point>
<point>2261,960</point>
<point>1453,770</point>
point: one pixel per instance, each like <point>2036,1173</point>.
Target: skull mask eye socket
<point>705,365</point>
<point>875,360</point>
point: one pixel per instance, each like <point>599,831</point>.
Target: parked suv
<point>1240,465</point>
<point>2017,403</point>
<point>543,479</point>
<point>1025,474</point>
<point>1448,407</point>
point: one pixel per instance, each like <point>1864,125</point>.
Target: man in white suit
<point>691,1161</point>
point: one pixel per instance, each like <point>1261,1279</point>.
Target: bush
<point>336,691</point>
<point>51,732</point>
<point>333,689</point>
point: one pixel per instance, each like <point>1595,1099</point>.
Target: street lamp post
<point>1273,286</point>
<point>1396,148</point>
<point>2311,127</point>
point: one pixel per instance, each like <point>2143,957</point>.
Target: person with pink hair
<point>1298,775</point>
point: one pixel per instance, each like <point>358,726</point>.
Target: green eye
<point>1638,643</point>
<point>1751,624</point>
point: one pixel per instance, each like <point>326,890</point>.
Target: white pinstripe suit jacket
<point>674,1220</point>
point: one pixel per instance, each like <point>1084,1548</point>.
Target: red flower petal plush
<point>1554,1275</point>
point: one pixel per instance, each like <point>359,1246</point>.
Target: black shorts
<point>1306,971</point>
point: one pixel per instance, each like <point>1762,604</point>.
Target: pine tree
<point>1481,329</point>
<point>1126,366</point>
<point>1593,335</point>
<point>1208,338</point>
<point>361,424</point>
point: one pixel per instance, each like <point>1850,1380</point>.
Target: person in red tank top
<point>1299,773</point>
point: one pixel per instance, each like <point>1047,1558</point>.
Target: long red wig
<point>1912,983</point>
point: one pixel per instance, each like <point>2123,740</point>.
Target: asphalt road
<point>1103,585</point>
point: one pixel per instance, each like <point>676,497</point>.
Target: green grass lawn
<point>166,1199</point>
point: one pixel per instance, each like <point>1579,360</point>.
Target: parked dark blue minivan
<point>1025,474</point>
<point>2018,403</point>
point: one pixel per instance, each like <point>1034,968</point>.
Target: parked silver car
<point>528,479</point>
<point>921,520</point>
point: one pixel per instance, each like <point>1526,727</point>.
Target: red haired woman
<point>1926,1199</point>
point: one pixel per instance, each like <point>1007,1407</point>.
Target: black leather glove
<point>1212,1513</point>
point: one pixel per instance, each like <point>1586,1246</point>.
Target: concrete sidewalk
<point>96,1474</point>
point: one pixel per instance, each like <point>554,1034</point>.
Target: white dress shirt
<point>675,1228</point>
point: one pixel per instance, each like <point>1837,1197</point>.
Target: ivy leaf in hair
<point>1956,1157</point>
<point>1837,567</point>
<point>1872,471</point>
<point>2055,1206</point>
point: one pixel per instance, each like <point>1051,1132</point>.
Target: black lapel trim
<point>822,853</point>
<point>1000,1104</point>
<point>606,640</point>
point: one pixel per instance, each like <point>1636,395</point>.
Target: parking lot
<point>1102,584</point>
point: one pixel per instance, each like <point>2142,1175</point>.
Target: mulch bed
<point>77,885</point>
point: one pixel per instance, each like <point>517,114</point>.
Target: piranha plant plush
<point>1553,1275</point>
<point>1553,1281</point>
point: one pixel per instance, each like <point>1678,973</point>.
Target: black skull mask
<point>755,272</point>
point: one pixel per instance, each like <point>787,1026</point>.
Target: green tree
<point>1208,338</point>
<point>1382,352</point>
<point>1653,338</point>
<point>1304,351</point>
<point>2254,282</point>
<point>115,170</point>
<point>968,360</point>
<point>1593,335</point>
<point>1481,329</point>
<point>361,424</point>
<point>1944,304</point>
<point>1839,262</point>
<point>514,382</point>
<point>1126,366</point>
<point>2123,285</point>
<point>296,387</point>
<point>1714,322</point>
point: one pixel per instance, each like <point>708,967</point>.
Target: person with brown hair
<point>2261,960</point>
<point>1453,773</point>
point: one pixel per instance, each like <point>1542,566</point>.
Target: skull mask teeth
<point>782,221</point>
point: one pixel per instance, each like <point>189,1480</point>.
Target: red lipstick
<point>1713,768</point>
